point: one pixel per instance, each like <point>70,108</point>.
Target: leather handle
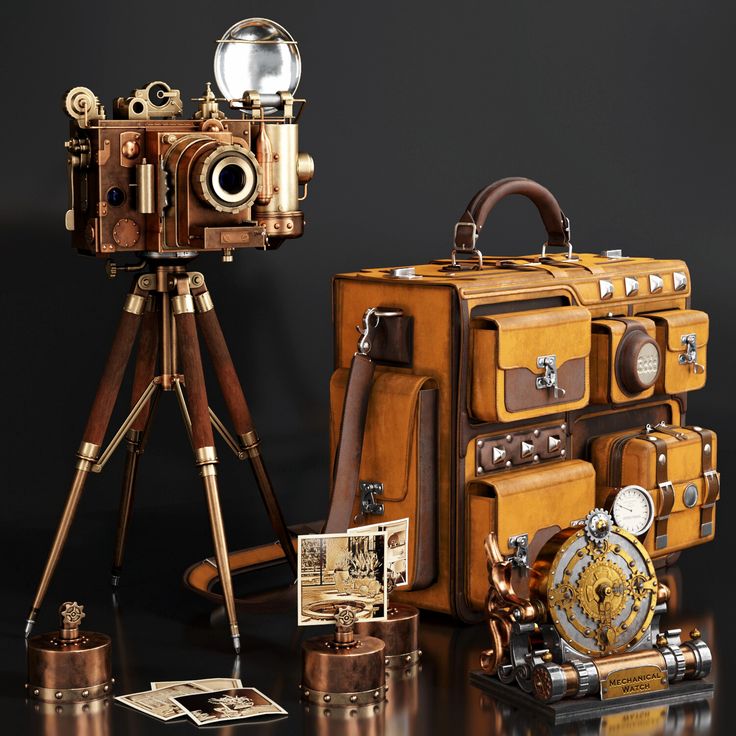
<point>473,219</point>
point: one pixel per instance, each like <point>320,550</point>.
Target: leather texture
<point>505,353</point>
<point>399,451</point>
<point>487,198</point>
<point>605,358</point>
<point>441,303</point>
<point>672,325</point>
<point>522,502</point>
<point>654,460</point>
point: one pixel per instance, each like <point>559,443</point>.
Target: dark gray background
<point>624,110</point>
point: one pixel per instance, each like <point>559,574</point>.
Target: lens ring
<point>226,168</point>
<point>217,178</point>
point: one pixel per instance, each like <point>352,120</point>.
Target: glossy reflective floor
<point>162,632</point>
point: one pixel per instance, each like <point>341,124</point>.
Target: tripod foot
<point>30,621</point>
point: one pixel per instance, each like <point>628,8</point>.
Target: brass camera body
<point>149,181</point>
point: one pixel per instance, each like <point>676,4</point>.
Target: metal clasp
<point>371,318</point>
<point>549,379</point>
<point>690,356</point>
<point>368,503</point>
<point>520,543</point>
<point>567,244</point>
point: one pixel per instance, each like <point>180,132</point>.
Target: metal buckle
<point>472,250</point>
<point>368,503</point>
<point>567,244</point>
<point>549,379</point>
<point>690,356</point>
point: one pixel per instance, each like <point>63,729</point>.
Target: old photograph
<point>227,705</point>
<point>397,547</point>
<point>158,703</point>
<point>342,571</point>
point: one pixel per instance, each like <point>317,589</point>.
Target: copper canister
<point>399,632</point>
<point>343,670</point>
<point>69,665</point>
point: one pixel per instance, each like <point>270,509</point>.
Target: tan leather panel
<point>671,326</point>
<point>431,307</point>
<point>491,399</point>
<point>524,336</point>
<point>522,502</point>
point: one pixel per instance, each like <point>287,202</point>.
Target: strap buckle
<point>566,244</point>
<point>465,249</point>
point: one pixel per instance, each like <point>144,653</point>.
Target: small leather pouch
<point>399,453</point>
<point>677,465</point>
<point>625,360</point>
<point>519,502</point>
<point>682,335</point>
<point>528,364</point>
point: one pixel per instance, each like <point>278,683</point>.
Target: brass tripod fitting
<point>250,442</point>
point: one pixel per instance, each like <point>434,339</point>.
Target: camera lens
<point>115,196</point>
<point>232,179</point>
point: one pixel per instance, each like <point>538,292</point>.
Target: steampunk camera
<point>149,181</point>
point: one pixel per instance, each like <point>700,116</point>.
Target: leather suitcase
<point>476,326</point>
<point>677,466</point>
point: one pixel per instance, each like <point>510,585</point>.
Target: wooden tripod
<point>163,303</point>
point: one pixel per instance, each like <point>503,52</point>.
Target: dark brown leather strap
<point>472,220</point>
<point>711,482</point>
<point>350,446</point>
<point>666,493</point>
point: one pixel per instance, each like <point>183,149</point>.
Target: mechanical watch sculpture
<point>583,618</point>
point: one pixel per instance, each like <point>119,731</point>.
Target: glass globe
<point>257,54</point>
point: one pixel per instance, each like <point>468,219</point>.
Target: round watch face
<point>633,509</point>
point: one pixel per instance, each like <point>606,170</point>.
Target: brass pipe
<point>75,493</point>
<point>209,477</point>
<point>166,344</point>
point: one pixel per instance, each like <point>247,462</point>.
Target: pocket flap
<point>391,419</point>
<point>534,498</point>
<point>683,322</point>
<point>525,336</point>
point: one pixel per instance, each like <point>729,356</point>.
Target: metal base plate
<point>574,709</point>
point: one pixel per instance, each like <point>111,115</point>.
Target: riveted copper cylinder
<point>343,675</point>
<point>69,665</point>
<point>399,632</point>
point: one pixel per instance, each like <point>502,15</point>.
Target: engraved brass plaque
<point>633,681</point>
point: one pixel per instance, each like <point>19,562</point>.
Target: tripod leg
<point>145,368</point>
<point>203,440</point>
<point>94,433</point>
<point>240,415</point>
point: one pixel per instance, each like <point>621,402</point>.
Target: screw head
<point>353,698</point>
<point>479,443</point>
<point>58,696</point>
<point>327,698</point>
<point>376,694</point>
<point>85,693</point>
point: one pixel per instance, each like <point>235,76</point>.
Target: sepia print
<point>158,703</point>
<point>397,547</point>
<point>341,571</point>
<point>227,705</point>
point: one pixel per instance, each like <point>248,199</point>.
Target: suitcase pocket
<point>676,466</point>
<point>522,501</point>
<point>528,364</point>
<point>399,453</point>
<point>682,335</point>
<point>625,360</point>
